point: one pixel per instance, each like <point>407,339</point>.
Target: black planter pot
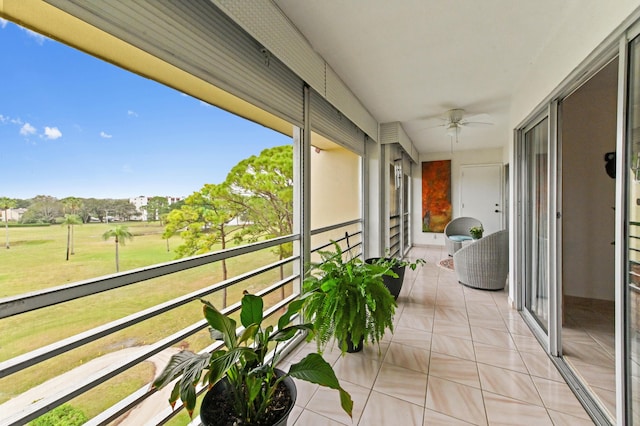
<point>351,348</point>
<point>208,417</point>
<point>394,285</point>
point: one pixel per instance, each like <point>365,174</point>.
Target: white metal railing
<point>349,246</point>
<point>16,305</point>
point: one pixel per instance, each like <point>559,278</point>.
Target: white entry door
<point>481,195</point>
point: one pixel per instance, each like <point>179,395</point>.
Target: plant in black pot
<point>397,266</point>
<point>347,300</point>
<point>245,386</point>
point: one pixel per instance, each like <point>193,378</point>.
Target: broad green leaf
<point>175,394</point>
<point>188,397</point>
<point>288,332</point>
<point>293,308</point>
<point>222,323</point>
<point>248,333</point>
<point>177,365</point>
<point>251,312</point>
<point>346,402</point>
<point>221,364</point>
<point>313,368</point>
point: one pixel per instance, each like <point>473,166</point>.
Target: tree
<point>156,207</point>
<point>89,209</point>
<point>120,233</point>
<point>70,220</point>
<point>6,204</point>
<point>262,189</point>
<point>43,209</point>
<point>73,205</point>
<point>122,209</point>
<point>203,222</point>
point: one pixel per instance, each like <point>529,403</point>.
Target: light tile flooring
<point>458,356</point>
<point>588,344</point>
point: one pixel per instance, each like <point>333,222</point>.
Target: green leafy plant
<point>347,300</point>
<point>64,415</point>
<point>476,232</point>
<point>394,262</point>
<point>243,361</point>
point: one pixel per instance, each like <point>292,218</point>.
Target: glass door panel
<point>633,232</point>
<point>406,242</point>
<point>395,224</point>
<point>536,241</point>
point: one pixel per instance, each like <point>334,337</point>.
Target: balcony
<point>451,344</point>
<point>457,356</point>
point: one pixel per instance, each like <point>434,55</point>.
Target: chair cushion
<point>460,237</point>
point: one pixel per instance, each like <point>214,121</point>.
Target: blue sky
<point>73,125</point>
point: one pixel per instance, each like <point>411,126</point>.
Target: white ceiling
<point>412,60</point>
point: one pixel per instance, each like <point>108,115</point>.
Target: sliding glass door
<point>535,243</point>
<point>632,247</point>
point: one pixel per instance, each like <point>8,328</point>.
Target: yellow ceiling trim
<point>43,18</point>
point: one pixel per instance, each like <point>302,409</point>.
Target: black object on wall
<point>610,164</point>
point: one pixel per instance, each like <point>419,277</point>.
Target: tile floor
<point>588,344</point>
<point>458,356</point>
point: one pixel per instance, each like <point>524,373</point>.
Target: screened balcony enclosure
<point>362,94</point>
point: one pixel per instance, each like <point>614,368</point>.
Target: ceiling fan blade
<point>475,124</point>
<point>478,118</point>
<point>422,129</point>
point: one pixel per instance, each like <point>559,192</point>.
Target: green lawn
<point>36,260</point>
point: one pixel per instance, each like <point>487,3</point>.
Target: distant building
<point>12,214</point>
<point>141,202</point>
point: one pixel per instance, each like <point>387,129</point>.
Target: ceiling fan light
<point>453,129</point>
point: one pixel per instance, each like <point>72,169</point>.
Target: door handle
<point>496,211</point>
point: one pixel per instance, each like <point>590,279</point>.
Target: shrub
<point>64,415</point>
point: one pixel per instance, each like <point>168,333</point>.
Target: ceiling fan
<point>455,120</point>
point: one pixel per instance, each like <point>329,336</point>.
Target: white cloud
<point>27,130</point>
<point>52,133</point>
<point>105,135</point>
<point>3,23</point>
<point>132,113</point>
<point>3,119</point>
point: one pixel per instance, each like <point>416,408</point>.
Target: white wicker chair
<point>484,263</point>
<point>457,231</point>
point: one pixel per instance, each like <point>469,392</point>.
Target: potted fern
<point>245,386</point>
<point>347,300</point>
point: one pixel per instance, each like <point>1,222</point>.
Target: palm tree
<point>120,233</point>
<point>70,220</point>
<point>73,204</point>
<point>6,204</point>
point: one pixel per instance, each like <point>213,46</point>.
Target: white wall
<point>458,159</point>
<point>591,23</point>
<point>588,193</point>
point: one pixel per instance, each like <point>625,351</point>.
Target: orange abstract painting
<point>436,195</point>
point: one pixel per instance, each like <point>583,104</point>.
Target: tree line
<point>254,202</point>
<point>49,209</point>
